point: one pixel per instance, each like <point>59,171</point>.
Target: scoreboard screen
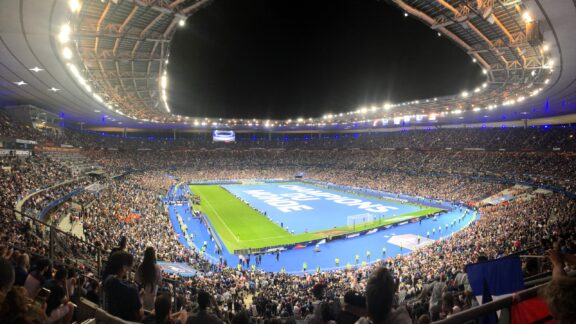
<point>226,136</point>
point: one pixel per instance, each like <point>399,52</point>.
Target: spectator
<point>121,245</point>
<point>149,276</point>
<point>17,308</point>
<point>354,308</point>
<point>6,278</point>
<point>22,268</point>
<point>162,312</point>
<point>380,291</point>
<point>58,307</point>
<point>120,298</point>
<point>36,277</point>
<point>92,291</point>
<point>242,317</point>
<point>203,315</point>
<point>560,296</point>
<point>424,319</point>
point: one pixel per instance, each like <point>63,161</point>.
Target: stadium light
<point>545,47</point>
<point>182,23</point>
<point>74,5</point>
<point>405,14</point>
<point>67,53</point>
<point>465,94</point>
<point>527,17</point>
<point>36,69</point>
<point>64,35</point>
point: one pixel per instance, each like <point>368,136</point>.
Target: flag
<point>493,279</point>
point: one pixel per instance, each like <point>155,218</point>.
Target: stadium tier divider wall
<point>44,213</point>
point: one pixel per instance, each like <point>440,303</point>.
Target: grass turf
<point>240,227</point>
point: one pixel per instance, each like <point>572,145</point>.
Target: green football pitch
<point>241,227</point>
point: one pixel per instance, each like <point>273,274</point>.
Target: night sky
<point>286,59</point>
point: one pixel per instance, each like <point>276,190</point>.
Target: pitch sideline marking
<point>220,218</point>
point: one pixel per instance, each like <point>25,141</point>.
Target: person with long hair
<point>18,308</point>
<point>149,277</point>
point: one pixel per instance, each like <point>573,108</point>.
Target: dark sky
<point>286,59</point>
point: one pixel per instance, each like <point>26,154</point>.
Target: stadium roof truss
<point>76,57</point>
<point>497,34</point>
<point>124,48</point>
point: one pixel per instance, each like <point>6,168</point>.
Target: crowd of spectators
<point>429,283</point>
<point>37,203</point>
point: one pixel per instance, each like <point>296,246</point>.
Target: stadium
<point>130,195</point>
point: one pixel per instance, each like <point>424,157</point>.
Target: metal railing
<point>42,238</point>
<point>502,304</point>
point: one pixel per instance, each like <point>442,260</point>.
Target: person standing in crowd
<point>120,298</point>
<point>149,277</point>
<point>380,291</point>
<point>206,302</point>
<point>162,312</point>
<point>122,245</point>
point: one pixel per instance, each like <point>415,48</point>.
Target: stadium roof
<point>98,62</point>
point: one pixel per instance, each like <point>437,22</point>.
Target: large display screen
<point>223,136</point>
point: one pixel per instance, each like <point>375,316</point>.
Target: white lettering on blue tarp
<point>288,202</point>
